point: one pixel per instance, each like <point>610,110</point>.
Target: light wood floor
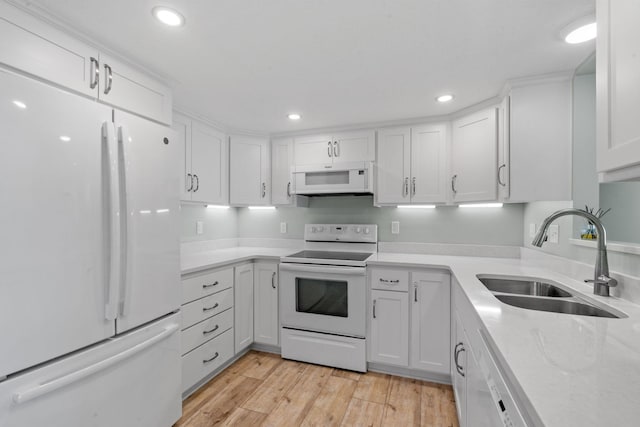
<point>263,389</point>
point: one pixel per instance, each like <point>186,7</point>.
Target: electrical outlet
<point>283,227</point>
<point>552,234</point>
<point>395,227</point>
<point>199,227</point>
<point>532,230</point>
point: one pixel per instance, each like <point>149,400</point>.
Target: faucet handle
<point>604,280</point>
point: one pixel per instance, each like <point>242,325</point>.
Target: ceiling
<point>248,63</point>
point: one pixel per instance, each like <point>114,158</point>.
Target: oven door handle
<point>325,269</point>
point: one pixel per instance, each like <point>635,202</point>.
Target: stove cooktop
<point>331,255</point>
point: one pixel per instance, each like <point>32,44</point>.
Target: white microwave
<point>336,178</point>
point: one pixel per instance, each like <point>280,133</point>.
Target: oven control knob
<point>358,229</point>
<point>366,230</point>
<point>321,229</point>
<point>313,229</point>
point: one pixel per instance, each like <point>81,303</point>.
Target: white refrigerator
<point>89,262</point>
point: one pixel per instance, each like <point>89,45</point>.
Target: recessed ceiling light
<point>582,34</point>
<point>65,138</point>
<point>168,16</point>
<point>294,116</point>
<point>444,98</point>
<point>20,104</point>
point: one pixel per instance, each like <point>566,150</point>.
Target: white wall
<point>218,223</point>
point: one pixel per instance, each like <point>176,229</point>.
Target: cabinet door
<point>389,328</point>
<point>182,127</point>
<point>504,141</point>
<point>313,150</point>
<point>474,157</point>
<point>281,164</point>
<point>250,172</point>
<point>618,86</point>
<point>124,87</point>
<point>392,167</point>
<point>458,369</point>
<point>209,160</point>
<point>430,318</point>
<point>243,306</point>
<point>29,45</point>
<point>429,164</point>
<point>265,303</point>
<point>357,146</point>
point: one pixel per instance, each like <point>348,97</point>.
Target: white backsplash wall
<point>447,224</point>
<point>218,223</point>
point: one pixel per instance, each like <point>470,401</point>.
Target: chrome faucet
<point>601,279</point>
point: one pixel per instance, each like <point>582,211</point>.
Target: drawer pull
<point>210,331</point>
<point>211,285</point>
<point>210,308</point>
<point>390,281</point>
<point>215,356</point>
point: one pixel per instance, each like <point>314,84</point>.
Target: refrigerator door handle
<point>58,383</point>
<point>126,222</point>
<point>113,192</point>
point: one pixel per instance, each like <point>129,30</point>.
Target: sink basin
<point>555,305</point>
<point>524,287</point>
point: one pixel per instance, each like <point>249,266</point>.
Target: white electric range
<point>323,296</point>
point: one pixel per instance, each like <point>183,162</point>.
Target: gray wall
<point>496,226</point>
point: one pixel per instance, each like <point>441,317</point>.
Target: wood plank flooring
<point>261,389</point>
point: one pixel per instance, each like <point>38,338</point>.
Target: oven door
<point>323,298</point>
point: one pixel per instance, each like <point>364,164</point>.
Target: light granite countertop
<point>574,370</point>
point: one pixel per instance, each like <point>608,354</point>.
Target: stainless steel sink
<point>555,305</point>
<point>523,287</point>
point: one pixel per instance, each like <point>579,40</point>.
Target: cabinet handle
<point>197,183</point>
<point>210,285</point>
<point>289,189</point>
<point>405,190</point>
<point>336,149</point>
<point>264,190</point>
<point>191,181</point>
<point>108,79</point>
<point>415,292</point>
<point>459,369</point>
<point>390,281</point>
<point>329,149</point>
<point>210,308</point>
<point>453,183</point>
<point>210,331</point>
<point>374,309</point>
<point>504,184</point>
<point>413,186</point>
<point>215,356</point>
<point>94,72</point>
<point>273,280</point>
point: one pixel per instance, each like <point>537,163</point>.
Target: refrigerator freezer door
<point>150,184</point>
<point>131,380</point>
<point>55,219</point>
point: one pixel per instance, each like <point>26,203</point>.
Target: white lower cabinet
<point>389,327</point>
<point>207,337</point>
<point>458,368</point>
<point>265,303</point>
<point>430,319</point>
<point>243,306</point>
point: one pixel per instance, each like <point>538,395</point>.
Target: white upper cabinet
<point>411,165</point>
<point>474,157</point>
<point>206,154</point>
<point>30,45</point>
<point>124,87</point>
<point>539,141</point>
<point>618,87</point>
<point>428,164</point>
<point>353,146</point>
<point>281,178</point>
<point>250,176</point>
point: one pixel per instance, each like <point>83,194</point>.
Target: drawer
<point>202,332</point>
<point>202,309</point>
<point>389,279</point>
<point>205,359</point>
<point>196,287</point>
